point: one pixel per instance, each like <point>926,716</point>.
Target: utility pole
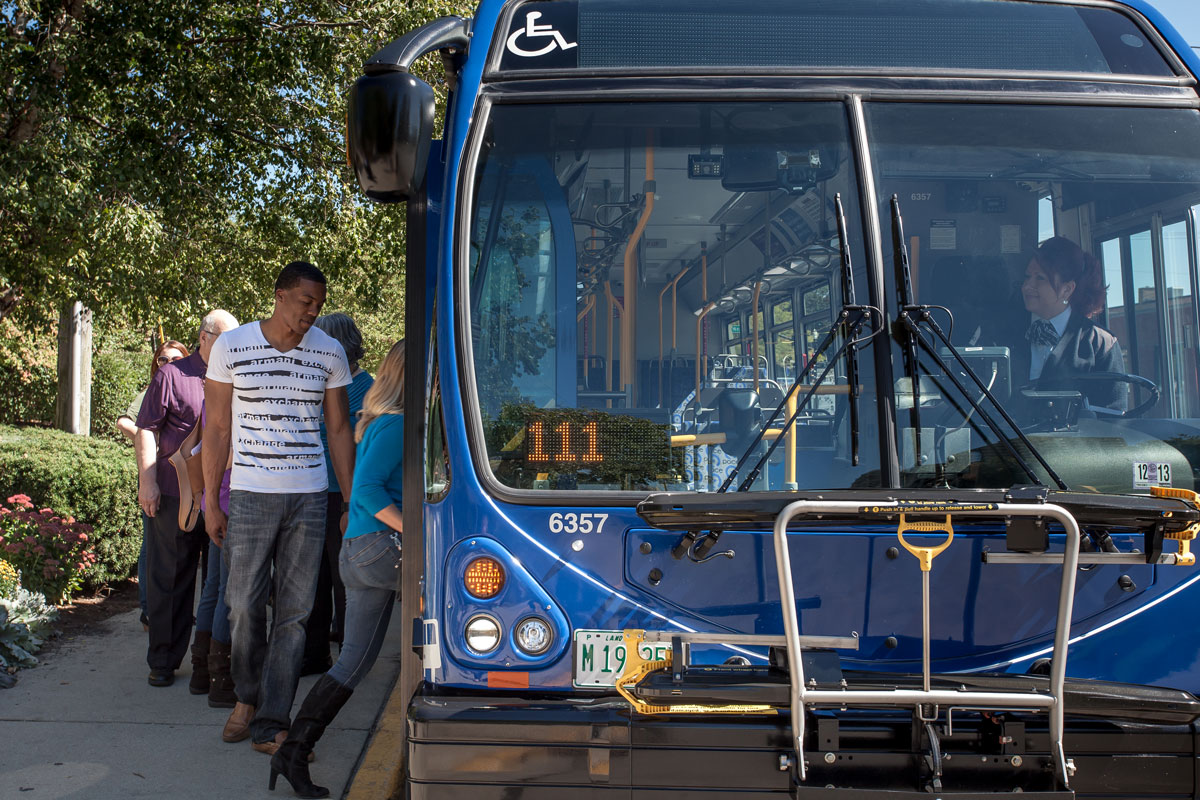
<point>73,409</point>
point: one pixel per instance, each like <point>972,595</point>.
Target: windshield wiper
<point>849,322</point>
<point>908,330</point>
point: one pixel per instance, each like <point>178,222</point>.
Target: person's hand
<point>148,496</point>
<point>215,523</point>
<point>345,521</point>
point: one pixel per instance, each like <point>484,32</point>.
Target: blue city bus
<point>733,468</point>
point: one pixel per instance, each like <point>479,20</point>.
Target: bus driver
<point>1063,288</point>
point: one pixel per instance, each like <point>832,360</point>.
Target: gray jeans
<point>370,568</point>
<point>287,530</point>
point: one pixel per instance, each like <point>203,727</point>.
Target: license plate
<point>600,656</point>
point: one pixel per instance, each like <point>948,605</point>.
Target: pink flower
<point>41,551</point>
<point>21,500</point>
<point>83,537</point>
<point>13,548</point>
<point>30,540</point>
<point>4,511</point>
<point>54,562</point>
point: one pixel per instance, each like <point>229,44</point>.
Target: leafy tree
<point>161,157</point>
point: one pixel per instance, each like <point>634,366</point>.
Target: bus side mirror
<point>388,132</point>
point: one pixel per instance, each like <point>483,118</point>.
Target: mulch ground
<point>83,615</point>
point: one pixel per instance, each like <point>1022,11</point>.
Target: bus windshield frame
<point>862,247</point>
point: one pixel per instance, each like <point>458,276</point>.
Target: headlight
<point>482,633</point>
<point>534,635</point>
<point>483,578</point>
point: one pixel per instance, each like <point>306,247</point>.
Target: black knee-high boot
<point>316,712</point>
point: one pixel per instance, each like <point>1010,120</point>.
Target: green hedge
<point>117,377</point>
<point>28,375</point>
<point>91,479</point>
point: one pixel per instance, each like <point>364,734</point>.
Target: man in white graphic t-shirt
<point>268,384</point>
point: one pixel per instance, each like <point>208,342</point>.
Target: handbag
<point>190,472</point>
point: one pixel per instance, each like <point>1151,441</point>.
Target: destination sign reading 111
<point>554,439</point>
<point>564,442</point>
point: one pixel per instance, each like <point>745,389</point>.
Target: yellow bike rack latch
<point>1185,557</point>
<point>925,555</point>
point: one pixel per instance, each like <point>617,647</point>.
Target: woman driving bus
<point>1062,289</point>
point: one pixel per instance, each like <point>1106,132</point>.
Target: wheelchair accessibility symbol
<point>534,31</point>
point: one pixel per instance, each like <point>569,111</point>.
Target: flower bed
<point>49,551</point>
<point>92,480</point>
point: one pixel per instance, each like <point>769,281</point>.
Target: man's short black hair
<point>298,271</point>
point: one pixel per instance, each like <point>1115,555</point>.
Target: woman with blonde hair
<point>369,564</point>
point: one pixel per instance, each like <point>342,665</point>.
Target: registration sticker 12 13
<point>1151,473</point>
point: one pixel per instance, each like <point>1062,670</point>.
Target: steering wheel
<point>1133,380</point>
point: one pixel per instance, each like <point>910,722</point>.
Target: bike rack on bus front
<point>926,701</point>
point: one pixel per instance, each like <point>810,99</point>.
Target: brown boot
<point>220,688</point>
<point>237,727</point>
<point>200,648</point>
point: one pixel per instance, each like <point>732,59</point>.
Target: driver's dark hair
<point>298,271</point>
<point>1063,261</point>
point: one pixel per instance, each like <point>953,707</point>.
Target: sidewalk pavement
<point>85,724</point>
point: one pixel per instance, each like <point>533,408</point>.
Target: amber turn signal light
<point>484,578</point>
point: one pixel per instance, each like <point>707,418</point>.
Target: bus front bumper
<point>484,747</point>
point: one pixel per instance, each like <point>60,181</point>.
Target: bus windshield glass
<point>648,284</point>
<point>645,283</point>
<point>1060,243</point>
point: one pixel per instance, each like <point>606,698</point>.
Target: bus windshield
<point>1060,243</point>
<point>648,282</point>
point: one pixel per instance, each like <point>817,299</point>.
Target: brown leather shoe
<point>270,748</point>
<point>237,727</point>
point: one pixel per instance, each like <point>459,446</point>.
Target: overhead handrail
<point>629,315</point>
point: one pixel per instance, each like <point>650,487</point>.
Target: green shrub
<point>117,377</point>
<point>92,480</point>
<point>25,619</point>
<point>28,374</point>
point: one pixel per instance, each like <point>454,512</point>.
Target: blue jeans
<point>289,531</point>
<point>212,614</point>
<point>370,568</point>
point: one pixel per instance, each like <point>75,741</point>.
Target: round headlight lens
<point>484,577</point>
<point>482,633</point>
<point>534,636</point>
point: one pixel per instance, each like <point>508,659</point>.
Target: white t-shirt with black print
<point>278,402</point>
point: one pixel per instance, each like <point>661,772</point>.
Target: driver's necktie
<point>1042,332</point>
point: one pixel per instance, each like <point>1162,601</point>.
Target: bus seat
<point>770,398</point>
<point>740,417</point>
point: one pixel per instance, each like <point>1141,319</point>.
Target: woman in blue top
<point>328,616</point>
<point>369,564</point>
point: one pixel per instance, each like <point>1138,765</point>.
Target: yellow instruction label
<point>926,507</point>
